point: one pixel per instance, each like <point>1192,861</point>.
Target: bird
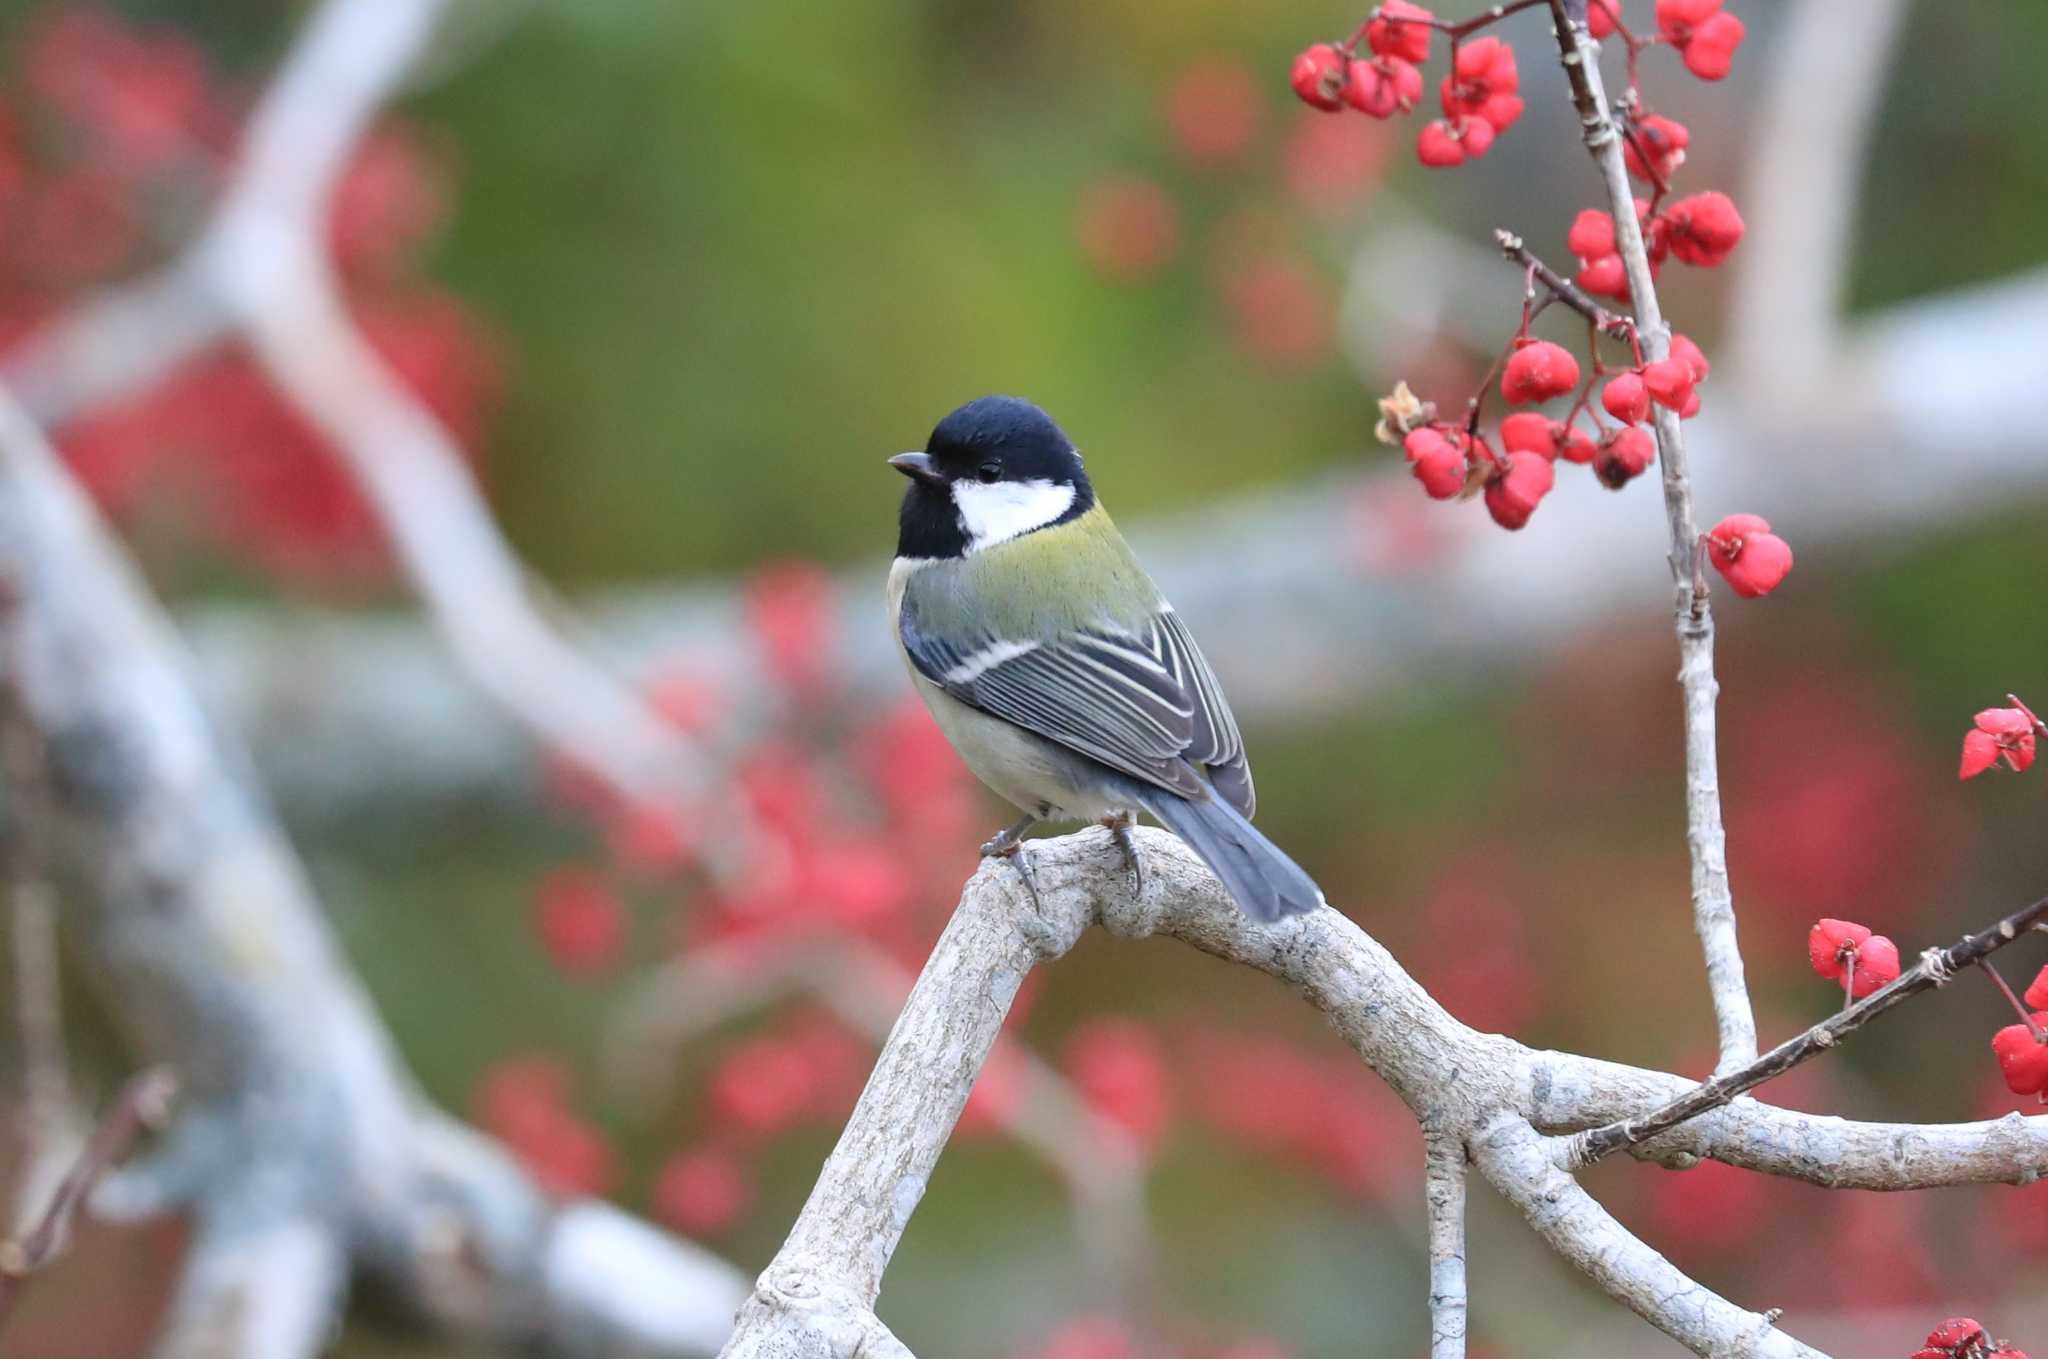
<point>1054,666</point>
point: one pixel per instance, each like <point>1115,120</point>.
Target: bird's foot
<point>1120,826</point>
<point>1008,843</point>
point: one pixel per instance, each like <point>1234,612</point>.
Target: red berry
<point>1438,147</point>
<point>1538,371</point>
<point>1688,353</point>
<point>1704,228</point>
<point>1752,559</point>
<point>1438,462</point>
<point>1512,495</point>
<point>1478,134</point>
<point>1390,37</point>
<point>1877,967</point>
<point>1711,52</point>
<point>1605,277</point>
<point>1663,139</point>
<point>1668,381</point>
<point>1592,235</point>
<point>1830,943</point>
<point>1623,456</point>
<point>1577,446</point>
<point>1371,90</point>
<point>1625,398</point>
<point>1601,16</point>
<point>1676,19</point>
<point>1529,432</point>
<point>2000,733</point>
<point>1318,75</point>
<point>2037,994</point>
<point>1957,1338</point>
<point>2022,1061</point>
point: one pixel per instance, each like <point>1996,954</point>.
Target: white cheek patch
<point>999,512</point>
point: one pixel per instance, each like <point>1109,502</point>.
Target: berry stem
<point>2040,727</point>
<point>2004,989</point>
<point>1848,977</point>
<point>1563,289</point>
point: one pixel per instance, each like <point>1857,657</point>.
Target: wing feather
<point>1144,703</point>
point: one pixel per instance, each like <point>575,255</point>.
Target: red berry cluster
<point>1701,229</point>
<point>1964,1338</point>
<point>1844,951</point>
<point>1480,94</point>
<point>2007,736</point>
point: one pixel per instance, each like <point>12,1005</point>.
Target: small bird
<point>1049,659</point>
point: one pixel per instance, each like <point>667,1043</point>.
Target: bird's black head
<point>992,470</point>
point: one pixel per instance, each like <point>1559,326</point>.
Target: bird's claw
<point>1120,827</point>
<point>1008,843</point>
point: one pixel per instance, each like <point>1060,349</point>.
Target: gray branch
<point>1443,1190</point>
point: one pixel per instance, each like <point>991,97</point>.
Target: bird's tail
<point>1261,878</point>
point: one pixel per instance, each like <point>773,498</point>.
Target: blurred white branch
<point>302,1149</point>
<point>263,270</point>
<point>1483,1093</point>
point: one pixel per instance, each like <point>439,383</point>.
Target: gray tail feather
<point>1261,878</point>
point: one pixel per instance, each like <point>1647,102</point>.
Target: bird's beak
<point>918,467</point>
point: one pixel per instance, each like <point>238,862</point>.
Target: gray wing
<point>1144,703</point>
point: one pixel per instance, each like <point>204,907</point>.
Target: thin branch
<point>144,1103</point>
<point>1443,1191</point>
<point>1713,901</point>
<point>1562,288</point>
<point>1935,968</point>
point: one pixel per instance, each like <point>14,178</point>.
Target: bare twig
<point>143,1103</point>
<point>1934,969</point>
<point>1713,901</point>
<point>1443,1191</point>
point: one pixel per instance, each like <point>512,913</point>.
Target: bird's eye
<point>988,473</point>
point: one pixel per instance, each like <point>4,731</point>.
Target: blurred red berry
<point>1129,228</point>
<point>516,1097</point>
<point>1090,1337</point>
<point>2022,1060</point>
<point>1704,228</point>
<point>1280,306</point>
<point>685,699</point>
<point>1333,162</point>
<point>1537,371</point>
<point>386,204</point>
<point>1663,139</point>
<point>702,1192</point>
<point>761,1088</point>
<point>1623,456</point>
<point>789,607</point>
<point>1318,75</point>
<point>2037,994</point>
<point>1752,559</point>
<point>1601,16</point>
<point>1530,432</point>
<point>580,921</point>
<point>1213,109</point>
<point>1625,398</point>
<point>1118,1067</point>
<point>1512,495</point>
<point>1389,36</point>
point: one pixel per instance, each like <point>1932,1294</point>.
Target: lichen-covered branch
<point>1443,1191</point>
<point>1472,1091</point>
